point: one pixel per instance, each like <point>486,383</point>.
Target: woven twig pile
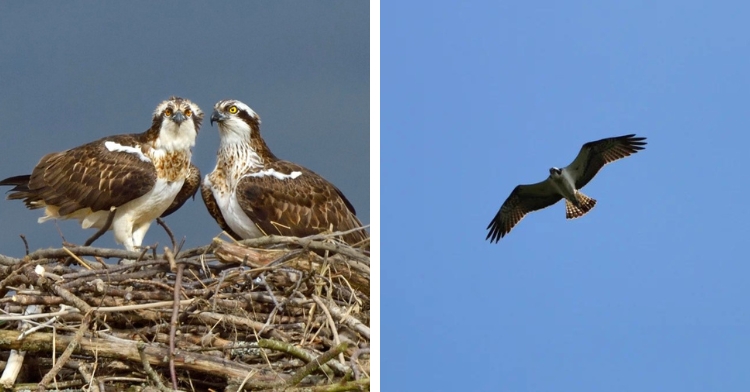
<point>276,313</point>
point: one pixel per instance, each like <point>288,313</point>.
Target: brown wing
<point>594,155</point>
<point>90,176</point>
<point>523,199</point>
<point>301,206</point>
<point>188,190</point>
<point>213,209</point>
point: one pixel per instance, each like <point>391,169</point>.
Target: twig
<point>294,351</point>
<point>307,369</point>
<point>307,242</point>
<point>25,243</point>
<point>170,258</point>
<point>113,270</point>
<point>357,385</point>
<point>355,361</point>
<point>169,233</point>
<point>40,315</point>
<point>72,299</point>
<point>83,368</point>
<point>67,353</point>
<point>341,316</point>
<point>48,323</point>
<point>16,357</point>
<point>149,370</point>
<point>241,322</point>
<point>11,276</point>
<point>173,323</point>
<point>334,330</point>
<point>83,251</point>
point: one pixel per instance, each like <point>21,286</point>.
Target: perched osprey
<point>251,193</point>
<point>143,176</point>
<point>563,183</point>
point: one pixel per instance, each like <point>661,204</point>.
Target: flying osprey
<point>143,176</point>
<point>563,183</point>
<point>251,193</point>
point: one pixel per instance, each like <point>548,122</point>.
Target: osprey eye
<point>188,112</point>
<point>233,109</point>
<point>168,112</point>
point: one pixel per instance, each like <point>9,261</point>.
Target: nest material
<point>228,316</point>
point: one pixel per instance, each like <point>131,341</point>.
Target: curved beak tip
<point>216,117</point>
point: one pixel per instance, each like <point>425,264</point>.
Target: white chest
<point>137,211</point>
<point>236,219</point>
<point>151,205</point>
<point>565,185</point>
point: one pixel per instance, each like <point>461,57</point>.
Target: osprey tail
<point>21,190</point>
<point>585,204</point>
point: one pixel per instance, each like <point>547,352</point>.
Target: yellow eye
<point>233,109</point>
<point>188,112</point>
<point>168,112</point>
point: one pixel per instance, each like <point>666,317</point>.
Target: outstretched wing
<point>92,176</point>
<point>282,202</point>
<point>188,190</point>
<point>594,155</point>
<point>523,199</point>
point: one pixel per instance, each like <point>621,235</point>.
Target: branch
<point>108,346</point>
<point>72,346</point>
<point>308,243</point>
<point>149,370</point>
<point>173,323</point>
<point>305,370</point>
<point>341,316</point>
<point>293,350</point>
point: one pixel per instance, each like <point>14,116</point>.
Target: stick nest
<point>275,313</point>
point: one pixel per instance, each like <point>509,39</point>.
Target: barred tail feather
<point>585,205</point>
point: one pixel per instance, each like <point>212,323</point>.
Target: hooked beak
<point>217,116</point>
<point>178,117</point>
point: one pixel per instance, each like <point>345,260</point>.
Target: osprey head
<point>555,171</point>
<point>236,120</point>
<point>176,122</point>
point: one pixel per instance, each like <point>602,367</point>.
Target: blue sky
<point>648,291</point>
<point>71,73</point>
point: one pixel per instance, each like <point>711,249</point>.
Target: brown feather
<point>523,200</point>
<point>87,177</point>
<point>188,190</point>
<point>301,206</point>
<point>585,204</point>
<point>595,155</point>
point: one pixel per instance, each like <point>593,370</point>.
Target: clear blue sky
<point>74,72</point>
<point>649,291</point>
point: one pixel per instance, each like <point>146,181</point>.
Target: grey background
<point>74,72</point>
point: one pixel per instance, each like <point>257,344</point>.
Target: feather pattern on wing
<point>594,155</point>
<point>88,176</point>
<point>523,199</point>
<point>255,194</point>
<point>309,207</point>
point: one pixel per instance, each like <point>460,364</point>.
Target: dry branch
<point>221,316</point>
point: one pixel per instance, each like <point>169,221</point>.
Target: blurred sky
<point>75,72</point>
<point>649,291</point>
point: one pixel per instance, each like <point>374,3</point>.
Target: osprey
<point>563,183</point>
<point>143,176</point>
<point>251,193</point>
